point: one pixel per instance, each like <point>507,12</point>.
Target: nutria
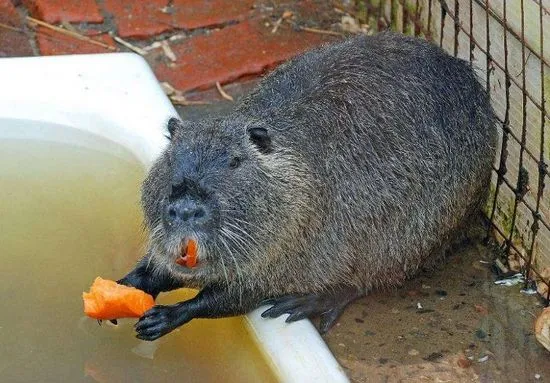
<point>345,170</point>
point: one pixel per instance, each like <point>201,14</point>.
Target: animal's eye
<point>260,137</point>
<point>235,162</point>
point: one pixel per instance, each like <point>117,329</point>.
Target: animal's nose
<point>185,211</point>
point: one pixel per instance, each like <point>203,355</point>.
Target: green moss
<point>503,218</point>
<point>503,213</point>
<point>488,207</point>
<point>362,11</point>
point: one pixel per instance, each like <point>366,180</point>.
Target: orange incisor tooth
<point>191,253</point>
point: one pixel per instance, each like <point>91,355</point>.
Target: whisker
<point>237,241</point>
<point>241,230</point>
<point>223,263</point>
<point>237,269</point>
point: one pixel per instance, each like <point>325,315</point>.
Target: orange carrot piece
<point>191,253</point>
<point>110,300</point>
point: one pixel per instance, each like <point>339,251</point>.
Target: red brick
<point>9,14</point>
<point>55,11</point>
<point>146,19</point>
<point>232,52</point>
<point>12,42</point>
<point>54,43</point>
<point>139,19</point>
<point>191,14</point>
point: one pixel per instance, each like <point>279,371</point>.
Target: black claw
<point>327,306</point>
<point>269,313</point>
<point>145,337</point>
<point>268,302</point>
<point>272,312</point>
<point>328,319</point>
<point>277,311</point>
<point>296,316</point>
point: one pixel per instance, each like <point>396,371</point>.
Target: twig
<point>70,33</point>
<point>277,24</point>
<point>155,45</point>
<point>168,52</point>
<point>222,92</point>
<point>2,25</point>
<point>131,47</point>
<point>68,26</point>
<point>181,100</point>
<point>167,88</point>
<point>321,31</point>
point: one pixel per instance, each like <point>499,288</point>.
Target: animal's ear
<point>173,125</point>
<point>260,137</point>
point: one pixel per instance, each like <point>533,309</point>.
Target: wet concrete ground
<point>451,324</point>
<point>467,330</point>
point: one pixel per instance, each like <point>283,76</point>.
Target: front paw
<point>160,320</point>
<point>140,282</point>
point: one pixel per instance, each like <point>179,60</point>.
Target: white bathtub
<point>116,96</point>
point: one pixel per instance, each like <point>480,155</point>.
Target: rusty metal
<point>444,12</point>
<point>472,45</point>
<point>488,51</point>
<point>457,28</point>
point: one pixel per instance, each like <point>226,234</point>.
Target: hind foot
<point>328,306</point>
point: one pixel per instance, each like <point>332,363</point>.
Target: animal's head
<point>230,185</point>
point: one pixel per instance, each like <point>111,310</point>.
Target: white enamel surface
<point>117,96</point>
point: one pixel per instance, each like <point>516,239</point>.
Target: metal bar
<point>472,45</point>
<point>488,50</point>
<point>457,28</point>
<point>444,12</point>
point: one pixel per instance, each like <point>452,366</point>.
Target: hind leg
<point>327,306</point>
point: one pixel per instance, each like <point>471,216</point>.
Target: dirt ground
<point>468,329</point>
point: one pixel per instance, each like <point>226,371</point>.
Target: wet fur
<point>381,148</point>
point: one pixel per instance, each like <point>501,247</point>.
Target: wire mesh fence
<point>505,41</point>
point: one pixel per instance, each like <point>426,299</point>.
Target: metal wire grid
<point>487,34</point>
